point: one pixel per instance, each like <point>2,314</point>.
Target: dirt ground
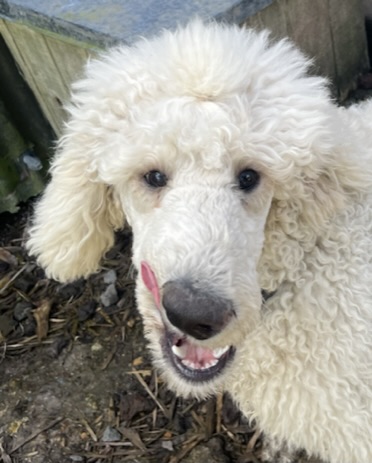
<point>76,381</point>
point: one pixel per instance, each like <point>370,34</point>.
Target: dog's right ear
<point>74,222</point>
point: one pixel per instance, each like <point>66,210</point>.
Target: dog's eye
<point>248,179</point>
<point>155,179</point>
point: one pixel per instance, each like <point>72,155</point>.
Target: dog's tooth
<point>220,351</point>
<point>193,366</point>
<point>210,364</point>
<point>189,364</point>
<point>179,351</point>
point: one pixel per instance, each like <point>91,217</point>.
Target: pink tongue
<point>198,355</point>
<point>151,284</point>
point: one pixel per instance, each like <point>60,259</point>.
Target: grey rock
<point>76,458</point>
<point>110,277</point>
<point>111,435</point>
<point>109,296</point>
<point>22,310</point>
<point>86,311</point>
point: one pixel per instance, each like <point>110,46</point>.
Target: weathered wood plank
<point>298,20</point>
<point>308,26</point>
<point>331,33</point>
<point>33,57</point>
<point>272,18</point>
<point>48,65</point>
<point>349,41</point>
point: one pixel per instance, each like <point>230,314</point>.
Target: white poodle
<point>239,178</point>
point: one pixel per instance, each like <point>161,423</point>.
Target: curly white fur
<point>201,104</point>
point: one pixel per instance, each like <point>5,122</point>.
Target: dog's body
<point>238,175</point>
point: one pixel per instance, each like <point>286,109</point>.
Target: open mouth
<point>195,363</point>
<point>192,362</point>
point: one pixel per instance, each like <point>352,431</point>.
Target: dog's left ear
<point>74,221</point>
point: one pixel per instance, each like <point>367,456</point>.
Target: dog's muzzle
<point>191,314</point>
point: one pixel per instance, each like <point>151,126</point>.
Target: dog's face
<point>197,204</point>
<point>194,137</point>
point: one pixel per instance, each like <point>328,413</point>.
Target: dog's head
<point>217,148</point>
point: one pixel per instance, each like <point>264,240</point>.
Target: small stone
<point>86,311</point>
<point>131,322</point>
<point>25,283</point>
<point>70,290</point>
<point>22,310</point>
<point>29,326</point>
<point>110,277</point>
<point>167,445</point>
<point>57,346</point>
<point>109,296</point>
<point>31,160</point>
<point>76,458</point>
<point>96,347</point>
<point>111,435</point>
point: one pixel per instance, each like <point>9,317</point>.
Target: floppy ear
<point>74,221</point>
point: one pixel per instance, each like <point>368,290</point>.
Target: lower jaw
<point>196,376</point>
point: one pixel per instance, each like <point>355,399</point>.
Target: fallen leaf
<point>14,426</point>
<point>132,435</point>
<point>41,315</point>
<point>7,257</point>
<point>133,403</point>
<point>137,361</point>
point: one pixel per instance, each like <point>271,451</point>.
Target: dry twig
<point>35,434</point>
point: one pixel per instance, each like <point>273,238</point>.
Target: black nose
<point>198,313</point>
